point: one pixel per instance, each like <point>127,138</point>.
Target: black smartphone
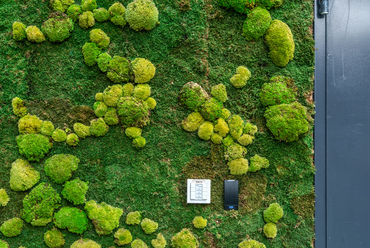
<point>231,194</point>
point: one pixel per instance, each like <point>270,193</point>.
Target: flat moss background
<point>204,45</point>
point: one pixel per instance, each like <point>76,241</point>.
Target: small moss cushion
<point>85,243</point>
<point>240,79</point>
<point>58,27</point>
<point>192,122</point>
<point>19,31</point>
<point>133,218</point>
<point>75,191</point>
<point>192,95</point>
<point>251,244</point>
<point>33,146</point>
<point>149,226</point>
<point>54,238</point>
<point>60,167</point>
<point>74,219</point>
<point>270,230</point>
<point>238,166</point>
<point>138,243</point>
<point>184,239</point>
<point>199,222</point>
<point>276,93</point>
<point>23,176</point>
<point>12,227</point>
<point>4,198</point>
<point>256,24</point>
<point>273,213</point>
<point>142,15</point>
<point>143,70</point>
<point>159,242</point>
<point>123,237</point>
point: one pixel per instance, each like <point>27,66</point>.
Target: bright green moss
<point>138,243</point>
<point>74,11</point>
<point>273,213</point>
<point>238,166</point>
<point>39,205</point>
<point>86,20</point>
<point>216,138</point>
<point>159,242</point>
<point>59,135</point>
<point>199,222</point>
<point>19,31</point>
<point>133,218</point>
<point>81,130</point>
<point>104,217</point>
<point>29,124</point>
<point>60,167</point>
<point>139,142</point>
<point>75,191</point>
<point>60,5</point>
<point>85,243</point>
<point>228,141</point>
<point>276,93</point>
<point>245,139</point>
<point>54,239</point>
<point>268,4</point>
<point>184,239</point>
<point>34,34</point>
<point>91,53</point>
<point>12,227</point>
<point>240,79</point>
<point>133,132</point>
<point>142,91</point>
<point>133,112</point>
<point>280,41</point>
<point>287,121</point>
<point>149,226</point>
<point>257,162</point>
<point>251,244</point>
<point>18,107</point>
<point>192,122</point>
<point>119,70</point>
<point>103,61</point>
<point>88,5</point>
<point>74,219</point>
<point>225,114</point>
<point>58,27</point>
<point>47,128</point>
<point>142,15</point>
<point>241,6</point>
<point>98,127</point>
<point>235,151</point>
<point>72,139</point>
<point>256,24</point>
<point>117,14</point>
<point>221,127</point>
<point>211,110</point>
<point>33,146</point>
<point>99,37</point>
<point>192,95</point>
<point>152,103</point>
<point>23,176</point>
<point>100,109</point>
<point>4,198</point>
<point>128,89</point>
<point>205,131</point>
<point>123,237</point>
<point>250,129</point>
<point>111,117</point>
<point>4,244</point>
<point>219,92</point>
<point>270,230</point>
<point>236,126</point>
<point>111,95</point>
<point>101,14</point>
<point>99,96</point>
<point>143,70</point>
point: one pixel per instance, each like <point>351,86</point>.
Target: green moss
<point>149,226</point>
<point>142,15</point>
<point>4,244</point>
<point>72,139</point>
<point>211,110</point>
<point>270,230</point>
<point>54,239</point>
<point>280,41</point>
<point>236,126</point>
<point>81,130</point>
<point>270,3</point>
<point>276,93</point>
<point>250,129</point>
<point>199,222</point>
<point>85,243</point>
<point>273,213</point>
<point>228,141</point>
<point>133,112</point>
<point>19,31</point>
<point>235,151</point>
<point>252,192</point>
<point>119,70</point>
<point>103,61</point>
<point>100,109</point>
<point>101,14</point>
<point>138,243</point>
<point>99,96</point>
<point>117,14</point>
<point>33,146</point>
<point>225,114</point>
<point>205,130</point>
<point>29,124</point>
<point>99,37</point>
<point>128,89</point>
<point>39,205</point>
<point>245,139</point>
<point>304,205</point>
<point>4,198</point>
<point>34,34</point>
<point>159,242</point>
<point>58,27</point>
<point>104,217</point>
<point>111,117</point>
<point>133,218</point>
<point>151,103</point>
<point>23,176</point>
<point>219,92</point>
<point>256,24</point>
<point>123,237</point>
<point>192,95</point>
<point>91,53</point>
<point>18,107</point>
<point>143,70</point>
<point>59,135</point>
<point>98,127</point>
<point>216,138</point>
<point>88,5</point>
<point>75,191</point>
<point>221,127</point>
<point>251,244</point>
<point>238,166</point>
<point>111,95</point>
<point>74,219</point>
<point>192,122</point>
<point>142,91</point>
<point>47,128</point>
<point>133,132</point>
<point>184,239</point>
<point>12,227</point>
<point>60,5</point>
<point>241,6</point>
<point>86,20</point>
<point>240,79</point>
<point>257,162</point>
<point>74,11</point>
<point>60,167</point>
<point>287,121</point>
<point>139,142</point>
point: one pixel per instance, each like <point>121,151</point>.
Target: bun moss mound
<point>60,167</point>
<point>184,239</point>
<point>257,23</point>
<point>192,95</point>
<point>133,112</point>
<point>12,227</point>
<point>85,243</point>
<point>276,93</point>
<point>251,244</point>
<point>123,237</point>
<point>149,226</point>
<point>19,31</point>
<point>23,176</point>
<point>270,230</point>
<point>142,15</point>
<point>58,27</point>
<point>273,213</point>
<point>33,146</point>
<point>279,39</point>
<point>159,242</point>
<point>54,239</point>
<point>73,219</point>
<point>4,198</point>
<point>75,190</point>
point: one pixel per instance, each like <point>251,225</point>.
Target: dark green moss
<point>256,24</point>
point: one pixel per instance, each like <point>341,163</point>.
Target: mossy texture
<point>192,122</point>
<point>219,92</point>
<point>72,139</point>
<point>81,130</point>
<point>216,138</point>
<point>225,114</point>
<point>256,24</point>
<point>91,53</point>
<point>270,230</point>
<point>236,126</point>
<point>142,15</point>
<point>250,129</point>
<point>185,238</point>
<point>238,166</point>
<point>59,135</point>
<point>221,127</point>
<point>192,95</point>
<point>159,242</point>
<point>73,219</point>
<point>122,237</point>
<point>4,198</point>
<point>60,5</point>
<point>47,128</point>
<point>98,127</point>
<point>117,14</point>
<point>58,27</point>
<point>60,167</point>
<point>133,218</point>
<point>133,112</point>
<point>12,227</point>
<point>199,222</point>
<point>88,5</point>
<point>75,191</point>
<point>85,243</point>
<point>111,117</point>
<point>29,124</point>
<point>119,70</point>
<point>228,141</point>
<point>33,146</point>
<point>138,243</point>
<point>18,106</point>
<point>142,91</point>
<point>211,110</point>
<point>139,142</point>
<point>276,93</point>
<point>143,70</point>
<point>74,11</point>
<point>257,163</point>
<point>273,213</point>
<point>23,176</point>
<point>128,89</point>
<point>152,103</point>
<point>34,34</point>
<point>103,61</point>
<point>133,132</point>
<point>4,244</point>
<point>240,79</point>
<point>205,130</point>
<point>101,14</point>
<point>86,20</point>
<point>111,95</point>
<point>251,244</point>
<point>99,37</point>
<point>54,239</point>
<point>149,226</point>
<point>268,4</point>
<point>19,31</point>
<point>245,139</point>
<point>235,151</point>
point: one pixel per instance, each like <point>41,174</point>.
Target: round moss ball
<point>123,237</point>
<point>192,95</point>
<point>74,11</point>
<point>34,34</point>
<point>221,127</point>
<point>143,70</point>
<point>117,14</point>
<point>139,142</point>
<point>133,112</point>
<point>245,139</point>
<point>270,230</point>
<point>12,227</point>
<point>228,141</point>
<point>47,128</point>
<point>4,244</point>
<point>251,244</point>
<point>33,146</point>
<point>133,132</point>
<point>54,238</point>
<point>99,96</point>
<point>225,114</point>
<point>100,109</point>
<point>86,20</point>
<point>159,242</point>
<point>256,24</point>
<point>142,91</point>
<point>98,127</point>
<point>88,5</point>
<point>103,62</point>
<point>111,117</point>
<point>138,243</point>
<point>238,166</point>
<point>152,103</point>
<point>133,218</point>
<point>216,139</point>
<point>4,198</point>
<point>72,139</point>
<point>58,27</point>
<point>257,162</point>
<point>199,222</point>
<point>184,239</point>
<point>29,124</point>
<point>60,5</point>
<point>236,125</point>
<point>73,219</point>
<point>273,213</point>
<point>85,243</point>
<point>119,70</point>
<point>59,135</point>
<point>19,31</point>
<point>60,167</point>
<point>276,93</point>
<point>235,151</point>
<point>75,191</point>
<point>240,79</point>
<point>211,110</point>
<point>192,122</point>
<point>91,52</point>
<point>149,226</point>
<point>18,107</point>
<point>99,37</point>
<point>142,15</point>
<point>205,131</point>
<point>23,176</point>
<point>81,130</point>
<point>219,92</point>
<point>250,129</point>
<point>101,14</point>
<point>128,89</point>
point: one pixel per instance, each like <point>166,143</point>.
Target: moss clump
<point>4,198</point>
<point>270,230</point>
<point>235,151</point>
<point>142,91</point>
<point>12,227</point>
<point>149,226</point>
<point>138,243</point>
<point>39,205</point>
<point>225,114</point>
<point>58,27</point>
<point>34,34</point>
<point>256,24</point>
<point>123,237</point>
<point>280,41</point>
<point>199,222</point>
<point>59,135</point>
<point>85,243</point>
<point>133,218</point>
<point>103,61</point>
<point>81,130</point>
<point>86,20</point>
<point>54,238</point>
<point>139,142</point>
<point>245,139</point>
<point>238,166</point>
<point>205,130</point>
<point>276,93</point>
<point>111,117</point>
<point>236,126</point>
<point>101,14</point>
<point>133,132</point>
<point>250,129</point>
<point>117,14</point>
<point>240,79</point>
<point>75,191</point>
<point>72,139</point>
<point>99,37</point>
<point>19,31</point>
<point>119,70</point>
<point>257,162</point>
<point>273,213</point>
<point>74,219</point>
<point>98,127</point>
<point>219,92</point>
<point>105,217</point>
<point>33,146</point>
<point>228,141</point>
<point>91,53</point>
<point>251,244</point>
<point>88,5</point>
<point>192,122</point>
<point>100,109</point>
<point>221,127</point>
<point>216,139</point>
<point>192,95</point>
<point>23,176</point>
<point>304,205</point>
<point>159,242</point>
<point>111,95</point>
<point>268,4</point>
<point>99,96</point>
<point>133,112</point>
<point>143,70</point>
<point>142,15</point>
<point>47,128</point>
<point>18,107</point>
<point>60,5</point>
<point>29,124</point>
<point>4,244</point>
<point>128,89</point>
<point>152,103</point>
<point>184,239</point>
<point>74,11</point>
<point>287,121</point>
<point>211,109</point>
<point>60,167</point>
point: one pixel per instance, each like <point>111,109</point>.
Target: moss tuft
<point>99,96</point>
<point>133,218</point>
<point>251,244</point>
<point>101,14</point>
<point>23,176</point>
<point>99,37</point>
<point>88,5</point>
<point>250,129</point>
<point>133,132</point>
<point>143,70</point>
<point>138,243</point>
<point>149,226</point>
<point>54,238</point>
<point>60,5</point>
<point>236,126</point>
<point>72,139</point>
<point>119,70</point>
<point>123,237</point>
<point>86,20</point>
<point>19,31</point>
<point>47,128</point>
<point>270,230</point>
<point>98,127</point>
<point>59,135</point>
<point>75,191</point>
<point>103,61</point>
<point>219,92</point>
<point>184,239</point>
<point>192,122</point>
<point>117,14</point>
<point>133,112</point>
<point>159,242</point>
<point>240,79</point>
<point>142,91</point>
<point>18,107</point>
<point>34,34</point>
<point>199,222</point>
<point>211,110</point>
<point>4,244</point>
<point>273,213</point>
<point>256,24</point>
<point>142,15</point>
<point>60,167</point>
<point>238,166</point>
<point>225,114</point>
<point>29,124</point>
<point>4,198</point>
<point>139,142</point>
<point>228,141</point>
<point>245,139</point>
<point>85,243</point>
<point>221,127</point>
<point>91,53</point>
<point>74,219</point>
<point>152,103</point>
<point>74,11</point>
<point>192,95</point>
<point>205,131</point>
<point>12,227</point>
<point>81,130</point>
<point>58,27</point>
<point>235,151</point>
<point>111,117</point>
<point>33,146</point>
<point>257,162</point>
<point>268,4</point>
<point>128,89</point>
<point>100,109</point>
<point>276,93</point>
<point>216,139</point>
